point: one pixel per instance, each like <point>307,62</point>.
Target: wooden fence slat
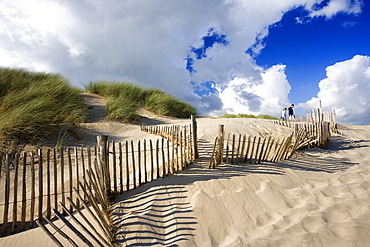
<point>269,150</point>
<point>7,195</point>
<point>145,163</point>
<point>139,161</point>
<point>70,175</point>
<point>151,160</point>
<point>95,185</point>
<point>54,239</point>
<point>253,145</point>
<point>238,149</point>
<point>55,173</point>
<point>173,168</point>
<point>102,222</point>
<point>233,149</point>
<point>93,228</point>
<point>157,156</point>
<point>133,164</point>
<point>258,146</point>
<point>83,163</point>
<point>48,184</point>
<point>58,230</point>
<point>72,228</point>
<point>15,193</point>
<point>168,157</point>
<point>247,151</point>
<point>33,189</point>
<point>181,152</point>
<point>87,231</point>
<point>114,164</point>
<point>24,193</point>
<point>127,168</point>
<point>266,149</point>
<point>241,154</point>
<point>281,149</point>
<point>213,161</point>
<point>120,166</point>
<point>262,150</point>
<point>91,213</point>
<point>61,151</point>
<point>41,186</point>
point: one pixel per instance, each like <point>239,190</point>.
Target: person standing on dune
<point>284,114</point>
<point>291,112</point>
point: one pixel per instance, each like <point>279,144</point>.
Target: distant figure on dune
<point>284,114</point>
<point>291,111</point>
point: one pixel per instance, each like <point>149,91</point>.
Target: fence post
<point>221,133</point>
<point>102,141</point>
<point>195,137</point>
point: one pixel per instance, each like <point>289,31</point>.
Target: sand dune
<point>316,198</point>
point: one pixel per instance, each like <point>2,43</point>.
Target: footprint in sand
<point>267,219</point>
<point>263,186</point>
<point>335,191</point>
<point>366,185</point>
<point>311,224</point>
<point>348,178</point>
<point>324,200</point>
<point>336,213</point>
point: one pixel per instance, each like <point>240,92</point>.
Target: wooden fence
<point>92,226</point>
<point>35,184</point>
<point>253,149</point>
<point>315,116</point>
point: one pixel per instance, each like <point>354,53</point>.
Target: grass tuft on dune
<point>32,104</point>
<point>124,99</point>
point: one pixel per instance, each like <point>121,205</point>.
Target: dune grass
<point>248,116</point>
<point>33,104</point>
<point>124,99</point>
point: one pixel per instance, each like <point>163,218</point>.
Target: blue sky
<point>308,48</point>
<point>223,56</point>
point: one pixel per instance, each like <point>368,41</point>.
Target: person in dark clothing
<point>291,111</point>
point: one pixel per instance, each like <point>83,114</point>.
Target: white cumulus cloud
<point>346,90</point>
<point>152,43</point>
<point>267,93</point>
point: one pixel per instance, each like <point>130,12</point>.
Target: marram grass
<point>32,104</point>
<point>124,99</point>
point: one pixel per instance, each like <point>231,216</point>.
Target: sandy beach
<point>319,197</point>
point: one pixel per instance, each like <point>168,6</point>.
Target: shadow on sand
<point>159,213</point>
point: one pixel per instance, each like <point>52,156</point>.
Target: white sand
<point>316,198</point>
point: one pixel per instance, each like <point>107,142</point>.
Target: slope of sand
<point>316,198</point>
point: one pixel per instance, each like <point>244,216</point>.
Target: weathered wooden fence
<point>92,226</point>
<point>315,116</point>
<point>252,149</point>
<point>35,184</point>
